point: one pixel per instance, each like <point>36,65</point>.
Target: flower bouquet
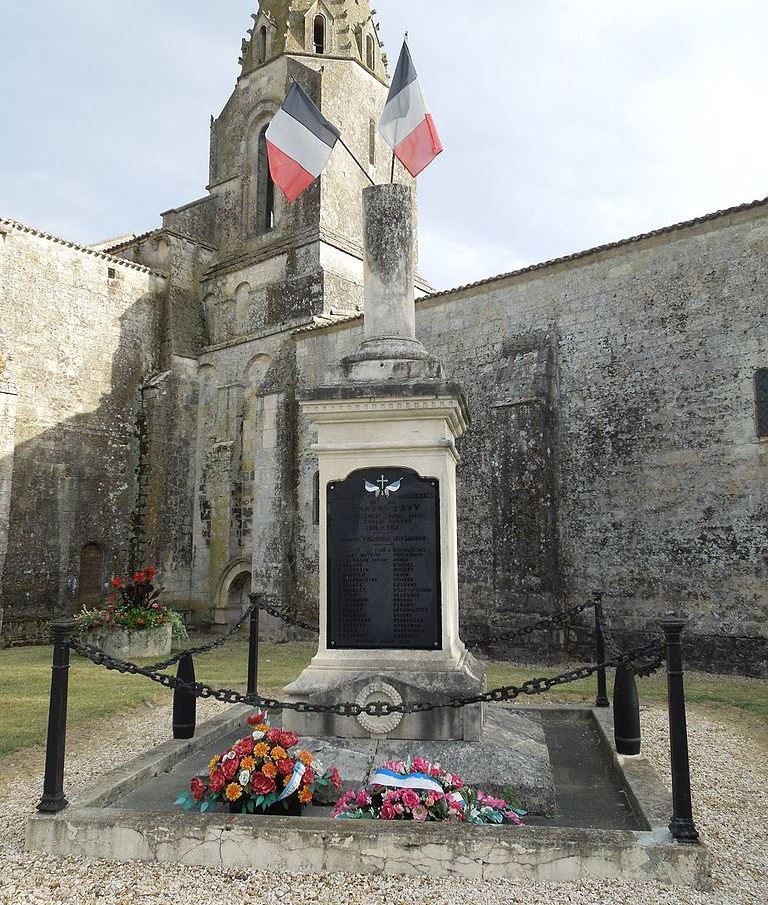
<point>259,774</point>
<point>133,605</point>
<point>422,791</point>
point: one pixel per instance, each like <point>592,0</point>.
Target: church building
<point>148,387</point>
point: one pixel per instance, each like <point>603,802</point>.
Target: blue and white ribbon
<point>416,781</point>
<point>293,786</point>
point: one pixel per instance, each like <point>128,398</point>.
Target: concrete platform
<point>609,818</point>
<point>513,754</point>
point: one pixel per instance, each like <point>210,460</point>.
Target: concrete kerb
<point>645,792</point>
<point>90,828</point>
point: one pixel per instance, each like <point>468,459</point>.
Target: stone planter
<point>149,643</point>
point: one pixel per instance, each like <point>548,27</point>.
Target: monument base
<point>394,677</point>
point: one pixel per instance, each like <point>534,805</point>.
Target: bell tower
<point>303,260</point>
<point>333,28</point>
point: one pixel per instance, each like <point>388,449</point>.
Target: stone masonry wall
<point>613,445</point>
<point>82,331</point>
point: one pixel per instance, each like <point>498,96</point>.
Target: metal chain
<point>274,610</point>
<point>374,708</point>
<point>641,670</point>
<point>600,618</point>
<point>545,622</point>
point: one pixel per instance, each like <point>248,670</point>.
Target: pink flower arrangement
<point>423,792</point>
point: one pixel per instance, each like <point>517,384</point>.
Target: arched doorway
<point>234,588</point>
<point>237,595</point>
<point>90,582</point>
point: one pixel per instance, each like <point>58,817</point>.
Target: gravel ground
<point>730,781</point>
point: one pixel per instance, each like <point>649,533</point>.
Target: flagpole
<point>392,174</point>
<point>362,168</point>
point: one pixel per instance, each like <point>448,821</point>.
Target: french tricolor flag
<point>299,143</point>
<point>407,124</point>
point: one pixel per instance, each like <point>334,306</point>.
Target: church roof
<point>30,230</point>
<point>577,256</point>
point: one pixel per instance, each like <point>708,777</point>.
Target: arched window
<point>370,52</point>
<point>372,142</point>
<point>319,34</point>
<point>91,580</point>
<point>761,403</point>
<point>265,188</point>
<point>261,45</point>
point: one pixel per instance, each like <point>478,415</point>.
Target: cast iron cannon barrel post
<point>253,645</point>
<point>185,702</point>
<point>626,711</point>
<point>602,682</point>
<point>53,799</point>
<point>682,826</point>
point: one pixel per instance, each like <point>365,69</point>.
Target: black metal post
<point>53,799</point>
<point>253,646</point>
<point>682,826</point>
<point>602,681</point>
<point>626,711</point>
<point>184,702</point>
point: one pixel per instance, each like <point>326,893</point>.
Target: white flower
<point>230,755</point>
<point>244,778</point>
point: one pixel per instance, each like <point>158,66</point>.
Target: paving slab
<point>513,754</point>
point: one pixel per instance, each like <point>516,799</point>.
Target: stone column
<point>389,349</point>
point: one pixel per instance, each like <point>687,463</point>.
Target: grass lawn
<point>25,677</point>
<point>25,682</point>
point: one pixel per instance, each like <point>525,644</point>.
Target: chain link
<point>546,622</point>
<point>279,613</point>
<point>641,670</point>
<point>374,708</point>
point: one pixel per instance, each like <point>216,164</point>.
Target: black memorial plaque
<point>384,561</point>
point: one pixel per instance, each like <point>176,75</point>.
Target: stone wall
<point>8,406</point>
<point>613,444</point>
<point>81,329</point>
<point>243,471</point>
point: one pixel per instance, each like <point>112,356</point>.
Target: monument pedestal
<point>389,592</point>
<point>389,626</point>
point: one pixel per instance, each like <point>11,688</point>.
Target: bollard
<point>184,702</point>
<point>626,712</point>
<point>253,646</point>
<point>682,826</point>
<point>53,799</point>
<point>602,682</point>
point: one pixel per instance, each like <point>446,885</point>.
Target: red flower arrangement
<point>258,772</point>
<point>133,605</point>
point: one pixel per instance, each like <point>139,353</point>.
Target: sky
<point>566,123</point>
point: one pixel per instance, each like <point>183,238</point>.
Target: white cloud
<point>447,261</point>
<point>565,124</point>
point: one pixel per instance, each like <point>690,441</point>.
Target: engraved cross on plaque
<point>382,482</point>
